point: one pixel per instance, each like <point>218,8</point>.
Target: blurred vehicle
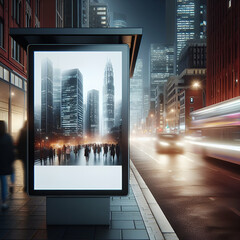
<point>217,130</point>
<point>169,143</point>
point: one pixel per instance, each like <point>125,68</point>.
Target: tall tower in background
<point>191,23</point>
<point>92,118</point>
<point>72,103</point>
<point>76,13</point>
<point>46,96</point>
<point>161,67</point>
<point>56,99</point>
<point>108,99</point>
<point>136,96</point>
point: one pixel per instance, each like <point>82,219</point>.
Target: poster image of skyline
<point>77,107</point>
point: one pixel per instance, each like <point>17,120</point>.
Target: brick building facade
<point>223,50</point>
<point>13,61</point>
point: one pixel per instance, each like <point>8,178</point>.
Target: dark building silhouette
<point>108,99</point>
<point>46,96</point>
<point>72,103</point>
<point>223,50</point>
<point>76,13</point>
<point>194,55</point>
<point>92,120</point>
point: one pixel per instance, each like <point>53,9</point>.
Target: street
<point>200,197</point>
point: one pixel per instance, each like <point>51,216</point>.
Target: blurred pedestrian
<point>59,153</point>
<point>51,155</point>
<point>105,150</point>
<point>68,151</point>
<point>6,161</point>
<point>86,152</point>
<point>117,151</point>
<point>22,152</point>
<point>112,151</point>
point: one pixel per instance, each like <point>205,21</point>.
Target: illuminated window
<point>229,3</point>
<point>191,100</point>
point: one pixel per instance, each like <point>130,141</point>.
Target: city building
<point>136,97</point>
<point>191,92</point>
<point>193,55</point>
<point>76,13</point>
<point>13,62</point>
<point>161,67</point>
<point>119,20</point>
<point>223,50</point>
<point>52,13</point>
<point>118,113</point>
<point>57,100</point>
<point>160,108</point>
<point>92,118</point>
<point>190,99</point>
<point>46,97</point>
<point>191,23</point>
<point>174,86</point>
<point>108,99</point>
<point>72,103</point>
<point>98,15</point>
<point>146,102</point>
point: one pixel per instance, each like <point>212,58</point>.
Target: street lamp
<point>197,85</point>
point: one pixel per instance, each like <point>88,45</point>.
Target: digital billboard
<point>78,119</point>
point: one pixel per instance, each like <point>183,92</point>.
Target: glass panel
<point>1,72</point>
<point>16,81</point>
<point>20,84</point>
<point>6,74</point>
<point>4,100</point>
<point>17,111</point>
<point>12,78</point>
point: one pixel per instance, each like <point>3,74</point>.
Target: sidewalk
<point>136,216</point>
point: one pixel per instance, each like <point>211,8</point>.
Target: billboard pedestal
<point>78,210</point>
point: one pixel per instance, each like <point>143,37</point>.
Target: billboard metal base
<point>78,210</point>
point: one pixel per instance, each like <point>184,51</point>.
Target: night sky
<point>148,14</point>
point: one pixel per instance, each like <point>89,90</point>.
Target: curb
<point>161,229</point>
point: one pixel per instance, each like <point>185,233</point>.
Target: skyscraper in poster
<point>108,99</point>
<point>56,99</point>
<point>72,103</point>
<point>46,96</point>
<point>92,119</point>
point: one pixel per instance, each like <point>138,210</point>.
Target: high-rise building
<point>52,13</point>
<point>223,50</point>
<point>72,103</point>
<point>136,96</point>
<point>92,119</point>
<point>191,22</point>
<point>108,99</point>
<point>98,15</point>
<point>161,67</point>
<point>46,96</point>
<point>76,13</point>
<point>118,113</point>
<point>146,102</point>
<point>56,99</point>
